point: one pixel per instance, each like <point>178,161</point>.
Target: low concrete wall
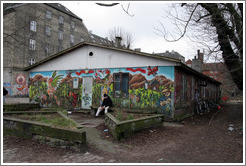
<point>65,138</point>
<point>124,129</point>
<point>20,107</point>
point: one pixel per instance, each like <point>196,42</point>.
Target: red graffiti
<point>152,71</point>
<point>138,69</point>
<point>84,71</point>
<point>21,88</point>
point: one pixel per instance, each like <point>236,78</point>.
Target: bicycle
<point>203,106</point>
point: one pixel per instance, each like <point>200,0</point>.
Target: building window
<point>31,61</point>
<point>48,14</point>
<point>47,49</point>
<point>72,24</point>
<point>82,39</point>
<point>32,44</point>
<point>48,30</point>
<point>60,48</point>
<point>71,38</point>
<point>33,26</point>
<point>121,84</point>
<point>61,20</point>
<point>184,88</point>
<point>60,35</point>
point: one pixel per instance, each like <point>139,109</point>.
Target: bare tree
<point>218,27</point>
<point>127,38</point>
<point>125,9</point>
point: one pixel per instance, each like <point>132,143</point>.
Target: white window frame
<point>60,35</point>
<point>31,61</point>
<point>72,24</point>
<point>71,38</point>
<point>33,26</point>
<point>48,30</point>
<point>48,14</point>
<point>61,20</point>
<point>32,44</point>
<point>60,48</point>
<point>47,49</point>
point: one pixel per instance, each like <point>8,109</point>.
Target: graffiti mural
<point>144,88</point>
<point>19,87</point>
<point>8,88</point>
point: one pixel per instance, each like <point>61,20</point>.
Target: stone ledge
<point>124,129</point>
<point>30,129</point>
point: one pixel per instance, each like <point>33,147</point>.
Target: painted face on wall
<point>21,81</point>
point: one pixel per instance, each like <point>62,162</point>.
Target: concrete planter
<point>123,129</point>
<point>54,136</point>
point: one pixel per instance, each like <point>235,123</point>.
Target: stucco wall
<point>102,58</point>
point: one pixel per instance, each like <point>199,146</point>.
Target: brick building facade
<point>217,71</point>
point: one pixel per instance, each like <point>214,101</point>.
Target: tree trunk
<point>233,62</point>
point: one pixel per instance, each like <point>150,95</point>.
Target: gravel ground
<point>192,141</point>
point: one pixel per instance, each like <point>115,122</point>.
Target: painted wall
<point>149,88</point>
<point>186,104</point>
<point>17,86</point>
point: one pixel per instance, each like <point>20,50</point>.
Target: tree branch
<point>107,5</point>
<point>127,10</point>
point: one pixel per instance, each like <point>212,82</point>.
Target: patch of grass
<point>130,117</point>
<point>53,119</point>
<point>119,115</point>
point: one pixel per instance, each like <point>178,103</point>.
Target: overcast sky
<point>142,25</point>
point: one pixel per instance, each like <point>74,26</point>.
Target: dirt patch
<point>195,142</point>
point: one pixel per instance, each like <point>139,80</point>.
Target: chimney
<point>196,63</point>
<point>118,41</point>
<point>200,56</point>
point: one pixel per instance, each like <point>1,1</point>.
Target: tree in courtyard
<point>127,37</point>
<point>216,26</point>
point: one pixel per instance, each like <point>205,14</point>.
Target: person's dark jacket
<point>107,102</point>
<point>5,92</point>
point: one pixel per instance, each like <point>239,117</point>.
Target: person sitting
<point>107,102</point>
<point>5,92</point>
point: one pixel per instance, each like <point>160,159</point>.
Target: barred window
<point>48,30</point>
<point>31,61</point>
<point>61,20</point>
<point>121,84</point>
<point>72,24</point>
<point>32,44</point>
<point>60,35</point>
<point>47,49</point>
<point>33,26</point>
<point>48,14</point>
<point>71,38</point>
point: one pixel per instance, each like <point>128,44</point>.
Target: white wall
<point>102,58</point>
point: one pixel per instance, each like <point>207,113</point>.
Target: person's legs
<point>98,111</point>
<point>106,109</point>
